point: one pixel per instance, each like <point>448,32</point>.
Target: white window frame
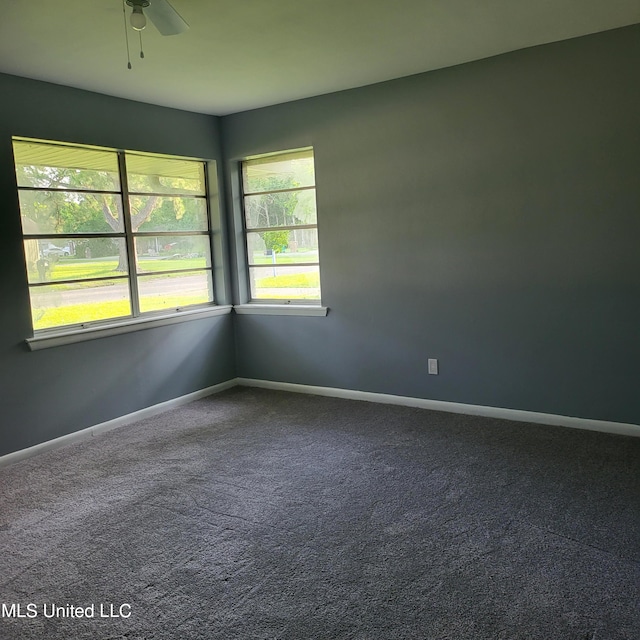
<point>69,333</point>
<point>276,306</point>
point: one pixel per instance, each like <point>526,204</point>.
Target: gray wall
<point>486,215</point>
<point>56,391</point>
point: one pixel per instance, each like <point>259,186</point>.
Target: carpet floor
<point>258,514</point>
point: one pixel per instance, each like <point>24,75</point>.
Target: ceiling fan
<point>165,18</point>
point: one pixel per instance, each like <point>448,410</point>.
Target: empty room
<point>320,320</point>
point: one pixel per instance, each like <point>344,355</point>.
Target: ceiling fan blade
<point>165,18</point>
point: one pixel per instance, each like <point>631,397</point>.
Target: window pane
<point>284,171</point>
<point>174,291</point>
<point>155,174</point>
<point>70,212</point>
<point>155,213</point>
<point>64,304</point>
<point>286,209</point>
<point>54,166</point>
<point>78,242</point>
<point>55,259</point>
<point>285,283</point>
<point>283,246</point>
<point>166,253</point>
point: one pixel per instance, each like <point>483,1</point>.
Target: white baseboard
<point>620,428</point>
<point>89,432</point>
<point>604,426</point>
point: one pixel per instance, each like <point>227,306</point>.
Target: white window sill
<point>62,337</point>
<point>281,309</point>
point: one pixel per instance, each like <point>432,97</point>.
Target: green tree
<point>77,211</point>
<point>274,208</point>
<point>275,241</point>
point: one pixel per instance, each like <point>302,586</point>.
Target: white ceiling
<point>242,54</point>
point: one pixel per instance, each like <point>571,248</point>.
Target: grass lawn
<point>155,264</point>
<point>291,280</point>
<point>72,269</point>
<point>110,309</point>
<point>285,258</point>
<point>79,313</point>
<point>76,269</point>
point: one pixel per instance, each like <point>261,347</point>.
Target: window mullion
<point>245,238</point>
<point>131,249</point>
<point>294,227</point>
<point>212,292</point>
<point>248,194</point>
<point>48,283</point>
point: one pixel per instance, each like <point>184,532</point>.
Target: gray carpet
<point>258,514</point>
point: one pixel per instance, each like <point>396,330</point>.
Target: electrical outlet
<point>433,366</point>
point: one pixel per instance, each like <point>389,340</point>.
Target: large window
<point>111,234</point>
<point>281,230</point>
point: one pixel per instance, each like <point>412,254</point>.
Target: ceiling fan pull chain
<point>126,34</point>
<point>141,51</point>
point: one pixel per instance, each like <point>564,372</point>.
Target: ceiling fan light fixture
<point>162,15</point>
<point>138,19</point>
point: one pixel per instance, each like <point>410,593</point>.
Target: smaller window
<point>281,227</point>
